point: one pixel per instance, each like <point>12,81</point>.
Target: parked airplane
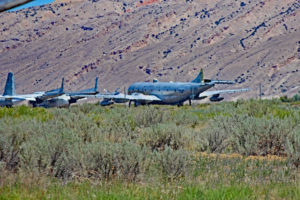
<point>10,97</point>
<point>68,98</point>
<point>171,93</point>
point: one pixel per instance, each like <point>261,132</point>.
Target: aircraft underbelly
<point>173,99</point>
<point>54,103</point>
<point>120,100</point>
<point>10,102</point>
<point>170,97</point>
<point>5,103</point>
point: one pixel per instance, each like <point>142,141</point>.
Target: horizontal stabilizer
<point>218,81</point>
<point>91,91</point>
<point>54,93</point>
<point>222,82</point>
<point>218,92</point>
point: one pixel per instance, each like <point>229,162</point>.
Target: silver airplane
<point>169,93</point>
<point>10,97</point>
<point>68,98</point>
<point>9,4</point>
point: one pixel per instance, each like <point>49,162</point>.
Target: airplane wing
<point>221,82</point>
<point>109,99</point>
<point>132,97</point>
<point>218,92</point>
<point>215,95</point>
<point>20,98</point>
<point>142,97</point>
<point>78,96</point>
<point>31,97</point>
<point>8,4</point>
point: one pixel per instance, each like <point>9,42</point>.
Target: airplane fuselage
<point>61,101</point>
<point>67,98</point>
<point>168,92</point>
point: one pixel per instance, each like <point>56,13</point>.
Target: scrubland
<point>231,150</point>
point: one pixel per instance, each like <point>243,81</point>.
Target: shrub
<point>90,142</point>
<point>158,136</point>
<point>107,161</point>
<point>13,133</point>
<point>260,136</point>
<point>215,137</point>
<point>186,118</point>
<point>25,112</point>
<point>248,135</point>
<point>293,147</point>
<point>173,163</point>
<point>150,116</point>
<point>295,98</point>
<point>118,130</point>
<point>49,151</point>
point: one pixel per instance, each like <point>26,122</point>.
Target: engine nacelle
<point>106,103</point>
<point>38,101</point>
<point>120,100</point>
<point>32,103</point>
<point>72,100</point>
<point>199,98</point>
<point>216,98</point>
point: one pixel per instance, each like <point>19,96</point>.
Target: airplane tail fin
<point>199,78</point>
<point>62,87</point>
<point>10,87</point>
<point>96,85</point>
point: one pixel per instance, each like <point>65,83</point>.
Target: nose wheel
<point>180,104</point>
<point>135,103</point>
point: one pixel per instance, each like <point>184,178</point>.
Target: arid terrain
<point>253,42</point>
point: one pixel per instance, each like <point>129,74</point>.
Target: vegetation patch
<point>232,150</point>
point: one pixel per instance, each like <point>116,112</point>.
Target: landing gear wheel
<point>180,104</point>
<point>129,104</point>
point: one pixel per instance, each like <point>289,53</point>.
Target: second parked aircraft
<point>67,98</point>
<point>170,93</point>
<point>10,97</point>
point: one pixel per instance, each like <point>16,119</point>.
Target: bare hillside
<point>121,42</point>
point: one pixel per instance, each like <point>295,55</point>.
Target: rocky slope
<point>253,42</point>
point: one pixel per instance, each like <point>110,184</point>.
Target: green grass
<point>175,190</point>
